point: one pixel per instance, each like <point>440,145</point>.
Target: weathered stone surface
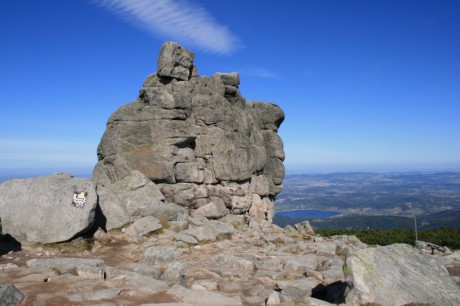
<point>204,233</point>
<point>211,210</point>
<point>298,288</point>
<point>158,255</point>
<point>63,264</point>
<point>185,238</point>
<point>231,261</point>
<point>134,196</point>
<point>231,79</point>
<point>138,282</point>
<point>305,227</point>
<point>175,61</point>
<point>10,295</point>
<point>301,264</point>
<point>40,209</point>
<point>203,298</point>
<point>143,226</point>
<point>174,274</point>
<point>273,299</point>
<point>151,271</point>
<point>197,139</point>
<point>399,274</point>
<point>114,212</point>
<point>95,295</point>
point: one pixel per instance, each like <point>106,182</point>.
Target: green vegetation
<point>78,245</point>
<point>442,236</point>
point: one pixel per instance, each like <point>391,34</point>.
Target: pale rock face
<point>197,139</point>
<point>399,274</point>
<point>40,209</point>
<point>175,61</point>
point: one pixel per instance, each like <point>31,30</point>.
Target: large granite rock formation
<point>47,209</point>
<point>197,139</point>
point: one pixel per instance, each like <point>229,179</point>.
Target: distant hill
<point>391,194</point>
<point>449,218</point>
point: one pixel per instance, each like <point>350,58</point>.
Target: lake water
<point>308,214</point>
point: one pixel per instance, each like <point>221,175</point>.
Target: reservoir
<point>308,214</point>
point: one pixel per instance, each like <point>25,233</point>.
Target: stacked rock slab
<point>197,139</point>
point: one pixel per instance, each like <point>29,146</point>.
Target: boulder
<point>134,196</point>
<point>301,264</point>
<point>174,274</point>
<point>114,213</point>
<point>211,210</point>
<point>298,288</point>
<point>196,141</point>
<point>143,226</point>
<point>10,295</point>
<point>185,238</point>
<point>175,61</point>
<point>231,79</point>
<point>154,272</point>
<point>399,274</point>
<point>204,233</point>
<point>158,255</point>
<point>47,209</point>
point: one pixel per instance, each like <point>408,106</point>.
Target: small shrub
<point>346,270</point>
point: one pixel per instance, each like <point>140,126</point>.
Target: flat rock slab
<point>95,295</point>
<point>399,274</point>
<point>203,298</point>
<point>43,209</point>
<point>298,288</point>
<point>159,255</point>
<point>143,226</point>
<point>63,264</point>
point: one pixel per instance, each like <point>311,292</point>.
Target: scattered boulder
<point>298,288</point>
<point>47,209</point>
<point>185,238</point>
<point>211,210</point>
<point>143,226</point>
<point>174,274</point>
<point>10,295</point>
<point>301,264</point>
<point>399,274</point>
<point>133,197</point>
<point>160,255</point>
<point>196,141</point>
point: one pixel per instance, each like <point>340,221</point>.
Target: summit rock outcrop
<point>197,139</point>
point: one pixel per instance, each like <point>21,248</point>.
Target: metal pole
<point>415,224</point>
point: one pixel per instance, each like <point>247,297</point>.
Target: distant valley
<point>394,197</point>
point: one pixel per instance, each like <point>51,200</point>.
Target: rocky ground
<point>234,261</point>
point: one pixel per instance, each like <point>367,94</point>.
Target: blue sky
<point>365,85</point>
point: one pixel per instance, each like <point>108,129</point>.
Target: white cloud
<point>181,21</point>
<point>260,73</point>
